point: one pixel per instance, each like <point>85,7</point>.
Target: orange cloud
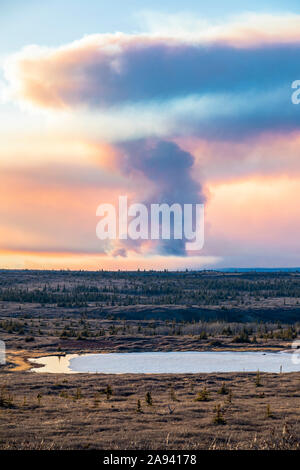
<point>255,216</point>
<point>33,260</point>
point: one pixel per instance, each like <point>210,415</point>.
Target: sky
<point>188,102</point>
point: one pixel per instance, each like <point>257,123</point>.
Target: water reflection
<point>54,364</point>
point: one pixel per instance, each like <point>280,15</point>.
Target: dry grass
<point>75,412</point>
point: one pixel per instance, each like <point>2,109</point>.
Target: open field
<point>44,411</point>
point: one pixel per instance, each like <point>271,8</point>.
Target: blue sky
<point>55,22</point>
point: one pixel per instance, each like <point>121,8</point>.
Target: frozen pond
<point>169,362</point>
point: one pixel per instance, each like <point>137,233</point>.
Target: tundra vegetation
<point>141,414</point>
<point>50,312</point>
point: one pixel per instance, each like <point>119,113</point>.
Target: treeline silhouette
<point>144,288</point>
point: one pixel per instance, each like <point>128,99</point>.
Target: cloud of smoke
<point>168,168</point>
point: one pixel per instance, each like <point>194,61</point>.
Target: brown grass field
<point>46,411</point>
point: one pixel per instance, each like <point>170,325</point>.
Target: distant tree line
<point>152,289</point>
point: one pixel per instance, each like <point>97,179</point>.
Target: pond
<point>168,362</point>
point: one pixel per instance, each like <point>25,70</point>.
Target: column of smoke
<point>168,167</point>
